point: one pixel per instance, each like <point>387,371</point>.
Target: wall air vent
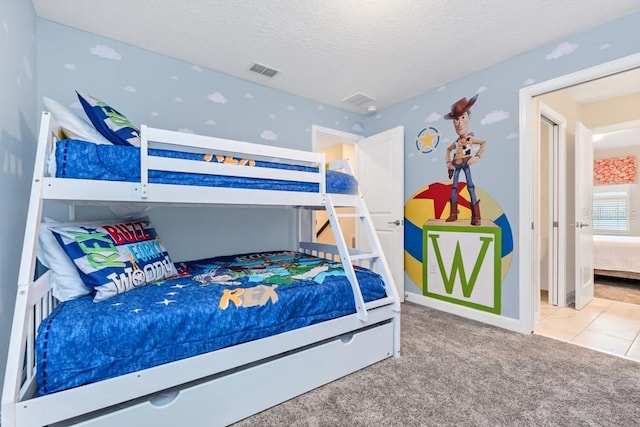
<point>358,99</point>
<point>263,69</point>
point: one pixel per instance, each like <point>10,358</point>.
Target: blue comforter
<point>223,301</point>
<point>85,160</point>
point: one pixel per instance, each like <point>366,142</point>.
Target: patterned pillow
<point>72,125</point>
<point>64,279</point>
<point>109,122</point>
<point>115,257</point>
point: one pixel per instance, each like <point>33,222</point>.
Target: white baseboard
<point>469,313</point>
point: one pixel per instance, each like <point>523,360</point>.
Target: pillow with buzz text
<point>115,257</point>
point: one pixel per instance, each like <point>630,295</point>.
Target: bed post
<point>18,339</point>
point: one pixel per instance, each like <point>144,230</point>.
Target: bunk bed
<point>235,375</point>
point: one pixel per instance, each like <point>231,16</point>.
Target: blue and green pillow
<point>109,122</point>
<point>115,257</point>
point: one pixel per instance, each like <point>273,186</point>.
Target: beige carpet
<point>457,372</point>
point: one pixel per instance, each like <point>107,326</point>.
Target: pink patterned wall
<point>615,170</point>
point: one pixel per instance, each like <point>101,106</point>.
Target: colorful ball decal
<point>432,202</point>
<point>427,140</point>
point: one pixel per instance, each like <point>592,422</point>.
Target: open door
<point>583,218</point>
<point>381,179</point>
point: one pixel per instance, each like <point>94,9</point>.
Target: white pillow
<point>64,277</point>
<point>73,126</point>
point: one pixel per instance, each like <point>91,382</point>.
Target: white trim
<point>316,129</point>
<point>560,121</point>
<point>469,313</point>
<point>345,138</point>
<point>525,150</point>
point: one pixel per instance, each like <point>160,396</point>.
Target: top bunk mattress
<point>84,160</point>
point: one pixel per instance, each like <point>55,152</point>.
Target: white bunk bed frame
<point>220,387</point>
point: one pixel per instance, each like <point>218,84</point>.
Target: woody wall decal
<point>461,154</point>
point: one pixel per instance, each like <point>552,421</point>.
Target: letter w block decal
<point>462,264</point>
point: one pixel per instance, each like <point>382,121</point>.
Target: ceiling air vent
<point>358,99</point>
<point>263,69</point>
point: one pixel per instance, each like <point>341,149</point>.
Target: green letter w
<point>458,267</point>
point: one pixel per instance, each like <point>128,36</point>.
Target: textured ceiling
<point>328,50</point>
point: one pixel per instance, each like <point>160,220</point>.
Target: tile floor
<point>609,326</point>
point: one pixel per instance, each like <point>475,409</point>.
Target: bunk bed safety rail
<point>35,302</point>
<point>232,151</point>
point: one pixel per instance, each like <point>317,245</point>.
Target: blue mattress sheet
<point>224,301</point>
<point>85,160</point>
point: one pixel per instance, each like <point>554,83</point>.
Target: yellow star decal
<point>427,140</point>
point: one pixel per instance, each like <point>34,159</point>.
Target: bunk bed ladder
<point>346,257</point>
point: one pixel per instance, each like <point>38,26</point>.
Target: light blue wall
<point>160,91</point>
<point>495,118</point>
<point>17,147</point>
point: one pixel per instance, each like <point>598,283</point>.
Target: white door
<point>584,207</point>
<point>381,179</point>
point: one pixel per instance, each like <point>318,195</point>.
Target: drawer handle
<point>164,398</point>
<point>347,338</point>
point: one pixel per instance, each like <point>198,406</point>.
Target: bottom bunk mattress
<point>222,301</point>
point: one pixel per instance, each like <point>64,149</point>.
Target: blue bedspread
<point>85,160</point>
<point>225,301</point>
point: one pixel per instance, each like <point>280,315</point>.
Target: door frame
<point>526,169</point>
<point>345,138</point>
<point>557,244</point>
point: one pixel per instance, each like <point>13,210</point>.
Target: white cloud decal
<point>273,116</point>
<point>433,117</point>
<point>217,98</point>
<point>562,49</point>
<point>70,67</point>
<point>528,82</point>
<point>605,46</point>
<point>27,67</point>
<point>174,78</point>
<point>154,114</point>
<point>211,122</point>
<point>414,108</point>
<point>178,99</point>
<point>321,107</point>
<point>105,52</point>
<point>248,95</point>
<point>337,123</point>
<point>185,130</point>
<point>378,116</point>
<point>512,135</point>
<point>130,89</point>
<point>482,89</point>
<point>290,108</point>
<point>269,135</point>
<point>441,88</point>
<point>494,117</point>
<point>197,69</point>
<point>357,127</point>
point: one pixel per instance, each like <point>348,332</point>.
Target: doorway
<point>335,145</point>
<point>379,168</point>
<point>529,225</point>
